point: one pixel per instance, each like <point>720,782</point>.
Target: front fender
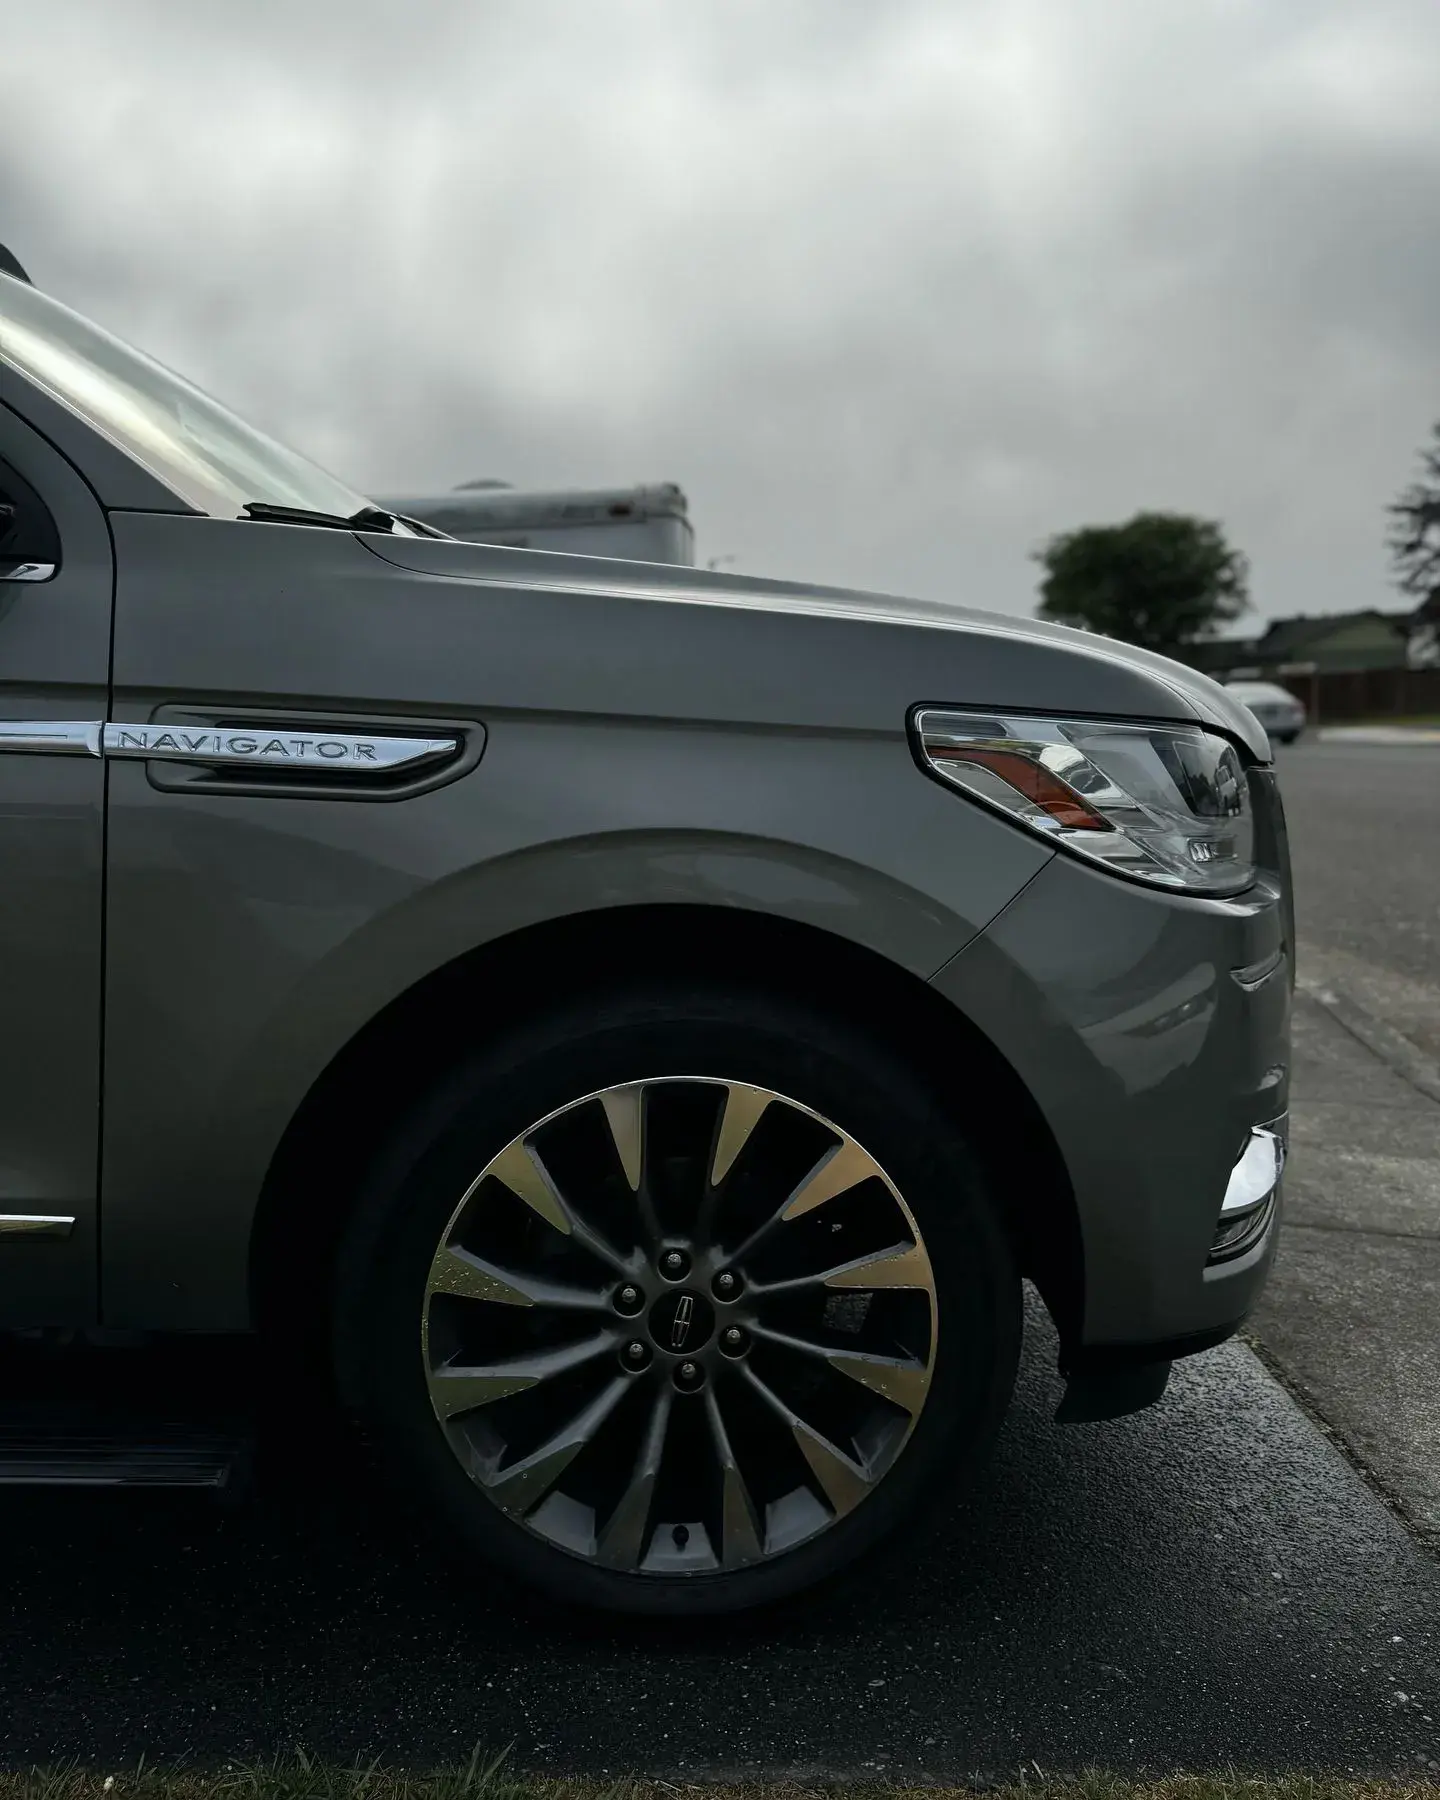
<point>261,935</point>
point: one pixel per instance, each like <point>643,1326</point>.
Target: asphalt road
<point>1351,1311</point>
<point>1365,837</point>
<point>1208,1583</point>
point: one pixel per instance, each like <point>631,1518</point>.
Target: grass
<point>298,1777</point>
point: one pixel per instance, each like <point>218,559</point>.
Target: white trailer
<point>639,524</point>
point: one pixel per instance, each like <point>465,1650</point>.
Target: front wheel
<point>678,1303</point>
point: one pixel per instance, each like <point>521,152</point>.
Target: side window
<point>29,542</point>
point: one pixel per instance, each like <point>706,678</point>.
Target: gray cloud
<point>894,291</point>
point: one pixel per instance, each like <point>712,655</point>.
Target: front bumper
<point>1153,1032</point>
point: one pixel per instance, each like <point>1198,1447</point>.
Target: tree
<point>1160,580</point>
<point>1415,551</point>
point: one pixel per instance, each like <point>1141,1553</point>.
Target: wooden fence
<point>1344,694</point>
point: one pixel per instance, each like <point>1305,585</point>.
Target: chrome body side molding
<point>51,737</point>
<point>36,1225</point>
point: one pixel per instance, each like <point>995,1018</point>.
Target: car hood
<point>969,657</point>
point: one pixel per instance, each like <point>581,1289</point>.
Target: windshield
<point>194,445</point>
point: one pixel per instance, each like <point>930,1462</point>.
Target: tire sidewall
<point>798,1052</point>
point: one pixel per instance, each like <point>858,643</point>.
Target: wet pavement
<point>1208,1583</point>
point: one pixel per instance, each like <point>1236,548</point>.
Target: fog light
<point>1248,1208</point>
<point>1240,1232</point>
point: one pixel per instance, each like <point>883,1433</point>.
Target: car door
<point>56,582</point>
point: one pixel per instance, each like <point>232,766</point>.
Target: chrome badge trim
<point>32,1225</point>
<point>273,749</point>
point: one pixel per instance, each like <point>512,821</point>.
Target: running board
<point>173,1458</point>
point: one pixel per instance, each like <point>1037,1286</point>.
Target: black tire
<point>695,1031</point>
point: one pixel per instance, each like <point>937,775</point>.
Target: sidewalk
<point>1378,734</point>
<point>1351,1319</point>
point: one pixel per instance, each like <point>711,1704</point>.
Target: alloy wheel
<point>680,1326</point>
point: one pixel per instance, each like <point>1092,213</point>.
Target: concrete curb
<point>1392,1047</point>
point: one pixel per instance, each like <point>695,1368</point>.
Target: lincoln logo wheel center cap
<point>682,1322</point>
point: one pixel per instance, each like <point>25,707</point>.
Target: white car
<point>1277,709</point>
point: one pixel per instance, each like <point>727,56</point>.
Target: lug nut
<point>733,1341</point>
<point>629,1300</point>
<point>636,1354</point>
<point>689,1376</point>
<point>727,1285</point>
<point>673,1264</point>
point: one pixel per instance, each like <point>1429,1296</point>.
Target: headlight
<point>1165,804</point>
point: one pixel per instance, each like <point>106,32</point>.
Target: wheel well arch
<point>391,1062</point>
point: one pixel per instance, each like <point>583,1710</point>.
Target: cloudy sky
<point>893,288</point>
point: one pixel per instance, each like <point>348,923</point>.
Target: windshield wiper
<point>368,518</point>
<point>421,527</point>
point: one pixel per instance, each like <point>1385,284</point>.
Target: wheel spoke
<point>900,1379</point>
<point>622,1543</point>
<point>743,1107</point>
<point>460,1273</point>
<point>739,1116</point>
<point>844,1166</point>
<point>842,1480</point>
<point>520,1488</point>
<point>460,1388</point>
<point>906,1383</point>
<point>899,1266</point>
<point>521,1169</point>
<point>741,1537</point>
<point>625,1115</point>
<point>839,1170</point>
<point>845,1483</point>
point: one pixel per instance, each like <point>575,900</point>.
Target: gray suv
<point>624,1033</point>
